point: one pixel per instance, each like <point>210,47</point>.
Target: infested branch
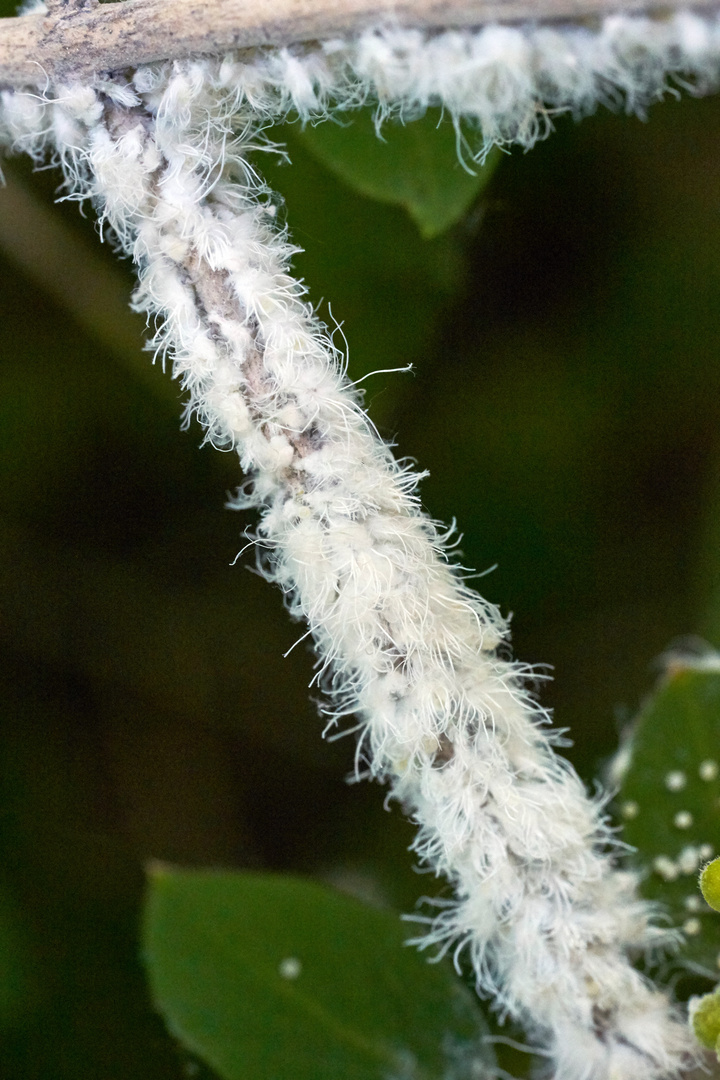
<point>81,37</point>
<point>549,920</point>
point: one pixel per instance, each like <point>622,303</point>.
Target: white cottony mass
<point>548,921</point>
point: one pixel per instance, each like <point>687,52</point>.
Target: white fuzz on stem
<point>547,919</point>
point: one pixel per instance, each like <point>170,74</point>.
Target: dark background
<point>565,400</point>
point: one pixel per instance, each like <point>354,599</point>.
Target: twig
<point>86,37</point>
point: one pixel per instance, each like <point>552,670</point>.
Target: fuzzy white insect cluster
<point>445,719</point>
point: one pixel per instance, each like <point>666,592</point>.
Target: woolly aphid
<point>543,913</point>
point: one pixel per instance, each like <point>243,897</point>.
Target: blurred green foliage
<point>564,338</point>
<point>420,166</point>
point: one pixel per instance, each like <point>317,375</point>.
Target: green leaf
<point>276,978</point>
<point>414,165</point>
<point>669,800</point>
<point>391,291</point>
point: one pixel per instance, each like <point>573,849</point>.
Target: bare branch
<point>83,37</point>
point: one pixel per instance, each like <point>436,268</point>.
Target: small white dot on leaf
<point>708,769</point>
<point>629,810</point>
<point>706,851</point>
<point>693,903</point>
<point>692,927</point>
<point>683,819</point>
<point>290,967</point>
<point>666,868</point>
<point>689,859</point>
<point>675,780</point>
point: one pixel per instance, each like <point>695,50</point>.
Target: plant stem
<point>80,38</point>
